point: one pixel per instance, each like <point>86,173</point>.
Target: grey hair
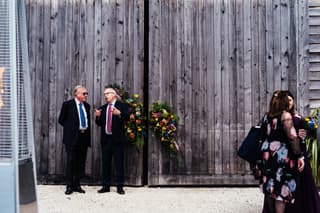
<point>114,92</point>
<point>76,89</point>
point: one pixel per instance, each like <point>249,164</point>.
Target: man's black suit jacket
<point>118,122</point>
<point>69,119</point>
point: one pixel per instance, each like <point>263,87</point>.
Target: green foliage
<point>312,144</point>
<point>136,126</point>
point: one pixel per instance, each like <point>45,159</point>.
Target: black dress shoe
<point>79,189</point>
<point>120,190</point>
<point>104,189</point>
<point>68,191</point>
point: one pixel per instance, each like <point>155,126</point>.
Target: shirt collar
<point>77,101</point>
<point>113,102</point>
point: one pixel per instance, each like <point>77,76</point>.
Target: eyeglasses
<point>106,93</point>
<point>84,93</point>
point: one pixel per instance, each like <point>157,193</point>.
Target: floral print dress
<point>278,165</point>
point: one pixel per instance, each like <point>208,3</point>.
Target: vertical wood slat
<point>263,57</point>
<point>209,85</point>
<point>276,44</point>
<point>202,101</point>
<point>239,36</point>
<point>53,68</point>
<point>154,86</point>
<point>187,16</point>
<point>225,88</point>
<point>193,87</point>
<point>32,10</point>
<point>247,62</point>
<point>217,90</point>
<point>233,89</point>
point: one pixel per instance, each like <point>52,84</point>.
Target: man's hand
<point>115,111</point>
<point>97,112</point>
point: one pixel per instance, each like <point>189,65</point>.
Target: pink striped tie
<point>109,119</point>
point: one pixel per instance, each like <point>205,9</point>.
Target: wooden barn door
<point>218,62</point>
<point>89,42</point>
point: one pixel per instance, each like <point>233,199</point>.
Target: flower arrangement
<point>135,127</point>
<point>311,125</point>
<point>163,122</point>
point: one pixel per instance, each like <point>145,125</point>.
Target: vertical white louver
<point>17,169</point>
<point>6,146</point>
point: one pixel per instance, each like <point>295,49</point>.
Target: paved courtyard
<point>144,199</point>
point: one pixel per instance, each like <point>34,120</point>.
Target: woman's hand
<point>302,133</point>
<point>301,164</point>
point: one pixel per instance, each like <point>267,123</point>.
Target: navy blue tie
<point>82,116</point>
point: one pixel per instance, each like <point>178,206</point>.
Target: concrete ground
<point>51,199</point>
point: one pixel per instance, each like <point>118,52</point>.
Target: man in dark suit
<point>75,119</point>
<point>111,118</point>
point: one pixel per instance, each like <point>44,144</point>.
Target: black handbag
<point>249,149</point>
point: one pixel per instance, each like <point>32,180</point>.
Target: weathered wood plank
<point>58,35</point>
<point>277,45</point>
<point>225,87</point>
<point>314,94</point>
<point>119,42</point>
<point>314,58</point>
<point>239,36</point>
<point>202,100</point>
<point>314,39</point>
<point>33,10</point>
<point>255,46</point>
<point>262,61</point>
<point>314,84</point>
<point>52,71</point>
<point>218,140</point>
<point>209,43</point>
<point>232,88</point>
<point>180,62</point>
<point>314,11</point>
<point>314,21</point>
<point>313,30</point>
<point>314,67</point>
<point>99,73</point>
<point>242,179</point>
<point>154,86</point>
<point>247,68</point>
<point>314,3</point>
<point>165,69</point>
<point>314,104</point>
<point>284,43</point>
<point>314,48</point>
<point>187,82</point>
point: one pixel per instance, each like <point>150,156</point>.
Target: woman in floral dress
<point>281,156</point>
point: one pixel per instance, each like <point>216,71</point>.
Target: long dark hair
<point>292,110</point>
<point>278,103</point>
